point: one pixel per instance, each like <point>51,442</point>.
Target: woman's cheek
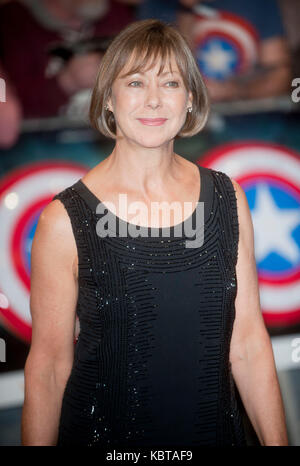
<point>128,102</point>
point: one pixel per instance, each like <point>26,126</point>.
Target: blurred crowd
<point>50,50</point>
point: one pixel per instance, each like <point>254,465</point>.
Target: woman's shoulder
<point>237,190</point>
<point>226,180</point>
<point>54,234</point>
<point>238,198</point>
<point>54,218</point>
<point>243,209</point>
<point>244,217</point>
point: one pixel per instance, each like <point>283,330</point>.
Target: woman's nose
<point>153,98</point>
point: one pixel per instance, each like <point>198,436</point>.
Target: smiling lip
<point>152,121</point>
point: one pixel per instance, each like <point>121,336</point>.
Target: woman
<point>167,331</point>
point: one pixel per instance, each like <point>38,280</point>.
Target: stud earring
<point>190,109</point>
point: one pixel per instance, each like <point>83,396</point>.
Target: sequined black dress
<point>151,362</point>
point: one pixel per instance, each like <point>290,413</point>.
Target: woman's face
<point>146,95</point>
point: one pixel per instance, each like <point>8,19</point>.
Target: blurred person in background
<point>40,81</point>
<point>164,10</point>
<point>291,17</point>
<point>222,52</point>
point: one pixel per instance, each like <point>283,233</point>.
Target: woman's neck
<point>148,166</point>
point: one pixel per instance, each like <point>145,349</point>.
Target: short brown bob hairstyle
<point>145,40</point>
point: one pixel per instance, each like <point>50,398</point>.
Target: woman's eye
<point>175,83</point>
<point>169,84</point>
<point>134,82</point>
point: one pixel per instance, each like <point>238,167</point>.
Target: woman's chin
<point>154,140</point>
<point>152,144</point>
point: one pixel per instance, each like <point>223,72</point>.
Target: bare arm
<point>251,353</point>
<point>275,56</point>
<point>52,303</point>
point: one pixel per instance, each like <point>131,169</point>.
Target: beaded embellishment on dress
<point>151,363</point>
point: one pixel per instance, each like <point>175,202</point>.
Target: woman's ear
<point>109,104</point>
<point>190,99</point>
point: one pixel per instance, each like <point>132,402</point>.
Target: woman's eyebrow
<point>142,73</point>
<point>170,72</point>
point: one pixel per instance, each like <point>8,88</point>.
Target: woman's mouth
<point>152,121</point>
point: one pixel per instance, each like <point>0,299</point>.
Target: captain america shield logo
<point>225,44</point>
<point>270,176</point>
<point>23,195</point>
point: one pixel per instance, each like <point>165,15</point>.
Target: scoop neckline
<point>93,201</point>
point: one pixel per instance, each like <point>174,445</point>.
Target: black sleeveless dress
<point>151,364</point>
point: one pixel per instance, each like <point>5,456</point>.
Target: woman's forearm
<point>257,382</point>
<point>42,407</point>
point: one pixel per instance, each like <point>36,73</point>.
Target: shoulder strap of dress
<point>207,190</point>
<point>228,204</point>
<point>76,211</point>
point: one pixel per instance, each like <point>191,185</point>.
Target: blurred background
<point>248,53</point>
